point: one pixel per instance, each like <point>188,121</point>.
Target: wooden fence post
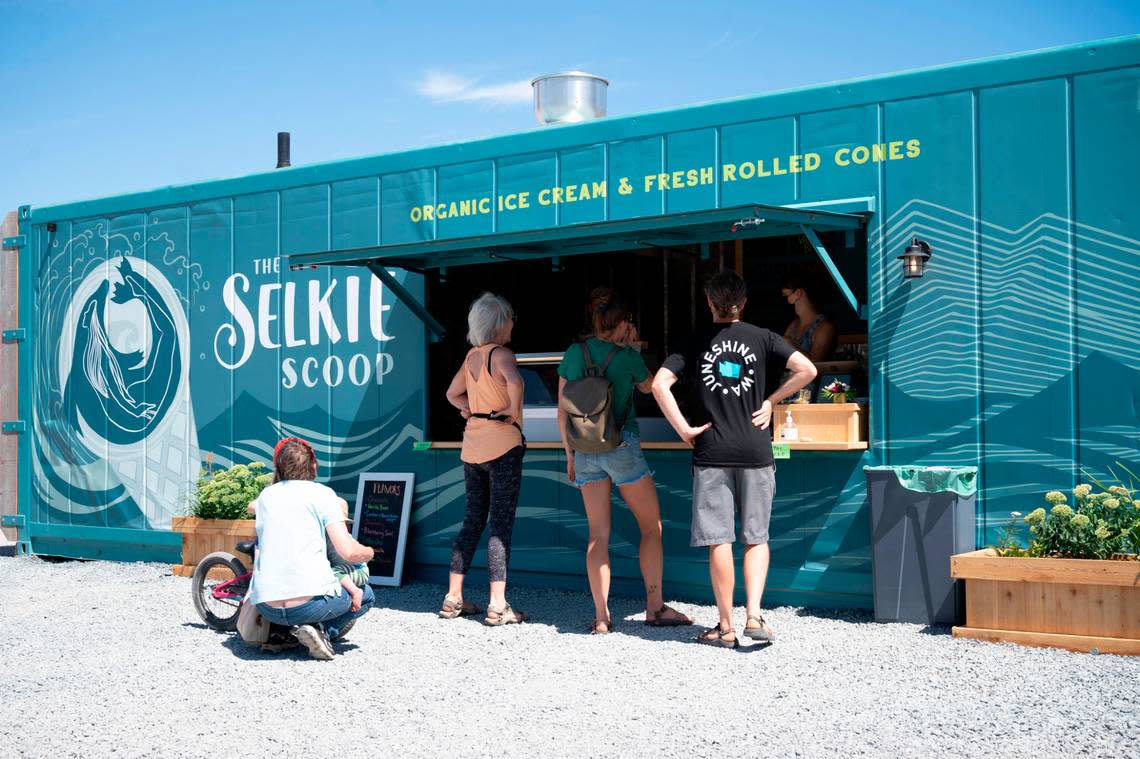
<point>9,380</point>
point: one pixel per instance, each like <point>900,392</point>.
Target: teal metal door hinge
<point>15,335</point>
<point>12,520</point>
<point>18,241</point>
<point>14,425</point>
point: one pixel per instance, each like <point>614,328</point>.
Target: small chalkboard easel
<point>380,521</point>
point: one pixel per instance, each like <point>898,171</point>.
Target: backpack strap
<point>628,401</point>
<point>610,358</point>
<point>591,368</point>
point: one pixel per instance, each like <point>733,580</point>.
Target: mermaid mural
<point>113,412</point>
<point>125,361</point>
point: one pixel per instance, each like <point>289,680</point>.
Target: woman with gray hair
<point>488,391</point>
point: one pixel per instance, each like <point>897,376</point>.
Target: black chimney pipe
<point>283,150</point>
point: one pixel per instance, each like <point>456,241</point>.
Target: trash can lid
<point>962,480</point>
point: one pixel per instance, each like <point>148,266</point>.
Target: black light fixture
<point>915,258</point>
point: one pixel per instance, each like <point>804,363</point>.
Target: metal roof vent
<point>569,97</point>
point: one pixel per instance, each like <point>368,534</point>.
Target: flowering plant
<point>836,387</point>
<point>1101,522</point>
<point>226,493</point>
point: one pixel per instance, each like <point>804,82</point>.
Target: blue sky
<point>110,97</point>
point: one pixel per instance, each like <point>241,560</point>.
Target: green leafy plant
<point>1009,544</point>
<point>226,493</point>
<point>1102,522</point>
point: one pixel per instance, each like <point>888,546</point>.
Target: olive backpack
<point>588,403</point>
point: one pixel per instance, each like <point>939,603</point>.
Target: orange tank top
<point>486,439</point>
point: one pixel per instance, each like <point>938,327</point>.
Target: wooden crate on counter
<point>824,423</point>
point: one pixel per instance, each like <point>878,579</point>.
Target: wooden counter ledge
<point>798,445</point>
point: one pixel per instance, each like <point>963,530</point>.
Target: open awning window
<point>666,230</point>
<point>736,222</point>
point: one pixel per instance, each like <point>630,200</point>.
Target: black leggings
<point>492,487</point>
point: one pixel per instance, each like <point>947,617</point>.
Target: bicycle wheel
<point>219,607</point>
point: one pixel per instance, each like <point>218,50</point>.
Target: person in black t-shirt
<point>732,444</point>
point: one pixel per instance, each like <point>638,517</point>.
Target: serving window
<point>664,288</point>
<point>658,264</point>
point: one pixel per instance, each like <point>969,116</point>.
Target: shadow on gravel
<point>252,652</point>
<point>850,616</point>
<point>635,628</point>
<point>938,630</point>
<point>416,603</point>
<point>751,648</point>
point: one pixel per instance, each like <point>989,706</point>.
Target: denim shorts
<point>623,465</point>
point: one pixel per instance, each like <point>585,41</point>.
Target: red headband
<point>281,444</point>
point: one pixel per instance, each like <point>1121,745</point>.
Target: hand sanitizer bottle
<point>788,431</point>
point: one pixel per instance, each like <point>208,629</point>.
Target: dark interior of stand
<point>664,289</point>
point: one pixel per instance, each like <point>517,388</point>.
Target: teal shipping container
<point>167,327</point>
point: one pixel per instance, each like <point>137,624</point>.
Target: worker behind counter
<point>811,333</point>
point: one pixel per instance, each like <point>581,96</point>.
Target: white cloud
<point>445,87</point>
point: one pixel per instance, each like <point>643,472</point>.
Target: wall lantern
<point>915,258</point>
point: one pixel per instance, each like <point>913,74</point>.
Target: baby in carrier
<point>352,577</point>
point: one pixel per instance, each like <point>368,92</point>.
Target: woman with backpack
<point>597,379</point>
<point>488,391</point>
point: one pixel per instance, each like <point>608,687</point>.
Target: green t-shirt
<point>625,370</point>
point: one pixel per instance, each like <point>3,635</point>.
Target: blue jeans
<point>623,465</point>
<point>332,611</point>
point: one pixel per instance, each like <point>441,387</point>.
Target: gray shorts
<point>718,492</point>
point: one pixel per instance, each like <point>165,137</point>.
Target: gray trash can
<point>920,517</point>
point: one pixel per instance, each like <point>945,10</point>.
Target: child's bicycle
<point>219,584</point>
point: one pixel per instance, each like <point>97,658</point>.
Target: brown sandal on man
<point>717,637</point>
<point>504,616</point>
<point>453,608</point>
<point>667,616</point>
<point>601,627</point>
<point>760,631</point>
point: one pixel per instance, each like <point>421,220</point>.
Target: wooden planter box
<point>201,537</point>
<point>1076,604</point>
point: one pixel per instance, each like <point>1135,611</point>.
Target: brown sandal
<point>761,631</point>
<point>659,618</point>
<point>601,627</point>
<point>452,608</point>
<point>504,616</point>
<point>717,637</point>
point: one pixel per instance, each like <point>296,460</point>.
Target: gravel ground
<point>98,658</point>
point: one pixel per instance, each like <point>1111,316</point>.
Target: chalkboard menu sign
<point>380,521</point>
